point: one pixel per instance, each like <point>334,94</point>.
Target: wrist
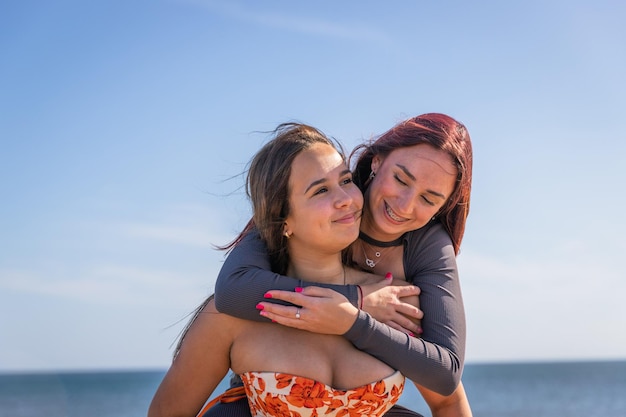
<point>360,301</point>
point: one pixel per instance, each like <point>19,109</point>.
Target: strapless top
<point>272,394</point>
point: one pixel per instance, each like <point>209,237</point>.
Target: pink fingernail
<point>267,295</point>
<point>259,306</point>
<point>420,331</point>
<point>388,276</point>
<point>411,334</point>
<point>263,313</point>
<point>298,289</point>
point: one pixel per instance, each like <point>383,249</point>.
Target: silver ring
<point>297,313</point>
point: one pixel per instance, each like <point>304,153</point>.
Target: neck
<point>371,235</point>
<point>375,236</point>
<point>323,269</point>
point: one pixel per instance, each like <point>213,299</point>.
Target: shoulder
<point>208,315</point>
<point>250,244</point>
<point>432,236</point>
<point>209,307</point>
<point>429,249</point>
<point>250,239</point>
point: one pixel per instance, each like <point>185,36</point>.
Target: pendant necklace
<point>370,262</point>
<point>373,242</point>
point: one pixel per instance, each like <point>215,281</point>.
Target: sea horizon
<point>550,388</point>
<point>164,368</point>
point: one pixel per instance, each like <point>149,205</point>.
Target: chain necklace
<point>373,242</point>
<point>371,262</point>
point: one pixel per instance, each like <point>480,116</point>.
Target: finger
<point>388,280</point>
<point>407,291</point>
<point>290,321</point>
<point>314,291</point>
<point>300,295</point>
<point>406,322</point>
<point>296,298</point>
<point>399,327</point>
<point>414,326</point>
<point>405,326</point>
<point>410,310</point>
<point>278,310</point>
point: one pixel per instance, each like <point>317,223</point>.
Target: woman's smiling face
<point>325,205</point>
<point>410,187</point>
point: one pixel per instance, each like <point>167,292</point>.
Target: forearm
<point>436,360</point>
<point>246,276</point>
<point>428,364</point>
<point>454,405</point>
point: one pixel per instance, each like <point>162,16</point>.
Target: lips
<point>393,215</point>
<point>350,218</point>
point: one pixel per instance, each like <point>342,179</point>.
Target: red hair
<point>442,132</point>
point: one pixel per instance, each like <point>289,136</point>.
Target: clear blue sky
<point>123,123</point>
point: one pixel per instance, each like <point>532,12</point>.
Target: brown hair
<point>442,132</point>
<point>267,186</point>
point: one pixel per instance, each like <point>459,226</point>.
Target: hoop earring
<point>372,175</point>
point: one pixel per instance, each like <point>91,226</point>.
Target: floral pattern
<point>273,394</point>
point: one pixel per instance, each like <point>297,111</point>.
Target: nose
<point>343,199</point>
<point>406,201</point>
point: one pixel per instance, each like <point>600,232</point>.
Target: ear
<point>376,162</point>
<point>286,232</point>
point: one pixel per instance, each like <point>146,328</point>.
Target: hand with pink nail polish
<point>395,303</point>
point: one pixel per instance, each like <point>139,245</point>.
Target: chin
<point>346,241</point>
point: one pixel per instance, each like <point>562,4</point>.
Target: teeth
<point>392,215</point>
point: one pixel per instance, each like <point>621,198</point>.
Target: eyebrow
<point>322,180</point>
<point>412,177</point>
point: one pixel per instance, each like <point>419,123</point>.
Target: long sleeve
<point>246,276</point>
<point>435,360</point>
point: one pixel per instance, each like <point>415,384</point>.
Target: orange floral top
<point>272,394</point>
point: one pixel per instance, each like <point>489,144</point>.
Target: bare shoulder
<point>209,316</point>
<point>210,333</point>
<point>210,306</point>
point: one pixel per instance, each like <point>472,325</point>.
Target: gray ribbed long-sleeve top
<point>434,361</point>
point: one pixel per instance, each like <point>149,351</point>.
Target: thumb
<point>387,280</point>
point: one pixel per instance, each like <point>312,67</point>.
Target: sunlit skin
<point>328,204</point>
<point>410,187</point>
<point>325,211</point>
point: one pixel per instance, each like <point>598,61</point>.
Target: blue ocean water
<point>572,389</point>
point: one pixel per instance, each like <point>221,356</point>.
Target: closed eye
<point>399,180</point>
